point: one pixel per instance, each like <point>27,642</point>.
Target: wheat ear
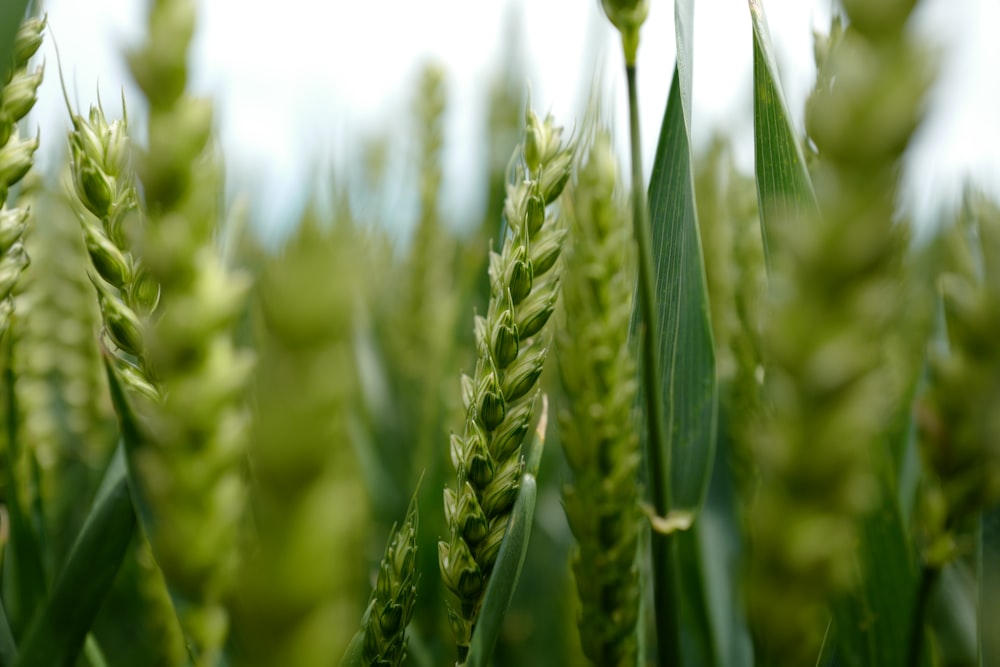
<point>392,601</point>
<point>308,497</point>
<point>104,184</point>
<point>835,303</point>
<point>189,467</point>
<point>597,422</point>
<point>499,398</point>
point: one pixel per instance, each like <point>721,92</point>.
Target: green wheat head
<point>835,300</point>
<point>597,424</point>
<point>499,398</point>
<point>190,464</point>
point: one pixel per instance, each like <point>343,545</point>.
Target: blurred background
<point>318,87</point>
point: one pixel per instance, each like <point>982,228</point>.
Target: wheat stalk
<point>500,396</point>
<point>597,425</point>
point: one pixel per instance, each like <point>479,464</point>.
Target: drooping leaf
<point>784,188</point>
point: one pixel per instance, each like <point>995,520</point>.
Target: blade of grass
<point>510,560</point>
<point>679,382</point>
<point>784,189</point>
<point>685,340</point>
<point>57,635</point>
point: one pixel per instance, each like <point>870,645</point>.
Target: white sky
<point>298,85</point>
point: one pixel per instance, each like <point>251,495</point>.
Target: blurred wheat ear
<point>597,422</point>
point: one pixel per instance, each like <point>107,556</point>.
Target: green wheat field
<point>705,418</point>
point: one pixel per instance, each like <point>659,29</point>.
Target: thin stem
<point>657,449</point>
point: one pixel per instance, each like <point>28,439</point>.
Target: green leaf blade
<point>687,353</point>
<point>784,188</point>
<point>57,635</point>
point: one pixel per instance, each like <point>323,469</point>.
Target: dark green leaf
<point>58,633</point>
<point>687,353</point>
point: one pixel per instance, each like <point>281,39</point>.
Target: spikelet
<point>834,309</point>
<point>597,424</point>
<point>499,398</point>
<point>189,466</point>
